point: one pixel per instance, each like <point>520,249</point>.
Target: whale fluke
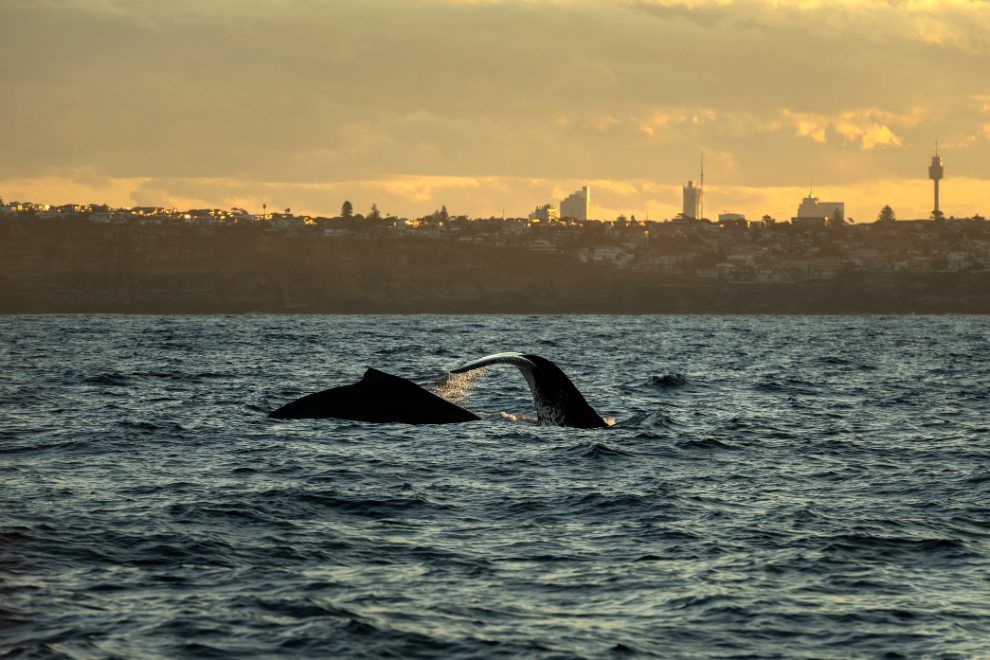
<point>377,397</point>
<point>558,401</point>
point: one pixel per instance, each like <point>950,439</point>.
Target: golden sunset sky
<point>488,105</point>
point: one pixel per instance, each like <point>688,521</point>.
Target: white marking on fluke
<point>558,401</point>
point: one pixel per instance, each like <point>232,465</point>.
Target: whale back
<point>377,397</point>
<point>558,401</point>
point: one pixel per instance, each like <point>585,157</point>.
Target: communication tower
<point>936,172</point>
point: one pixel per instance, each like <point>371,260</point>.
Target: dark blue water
<point>800,486</point>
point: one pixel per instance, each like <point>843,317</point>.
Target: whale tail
<point>558,401</point>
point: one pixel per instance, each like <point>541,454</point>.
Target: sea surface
<point>772,486</point>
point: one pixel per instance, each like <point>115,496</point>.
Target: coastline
<point>937,293</point>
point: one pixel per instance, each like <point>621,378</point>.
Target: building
<point>576,205</point>
<point>936,172</point>
<point>813,212</point>
<point>692,201</point>
<point>732,220</point>
<point>545,213</point>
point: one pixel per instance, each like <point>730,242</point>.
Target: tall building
<point>692,201</point>
<point>813,212</point>
<point>936,172</point>
<point>576,205</point>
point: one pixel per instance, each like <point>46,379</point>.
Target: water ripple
<point>774,486</point>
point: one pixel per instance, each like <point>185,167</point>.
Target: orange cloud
<point>674,116</point>
<point>869,128</point>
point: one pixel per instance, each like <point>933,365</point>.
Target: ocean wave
<point>668,381</point>
<point>792,496</point>
<point>597,450</point>
<point>656,419</point>
<point>109,379</point>
<point>889,546</point>
<point>787,385</point>
<point>706,444</point>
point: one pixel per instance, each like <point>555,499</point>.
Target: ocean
<point>772,486</point>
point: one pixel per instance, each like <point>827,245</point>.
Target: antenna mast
<point>702,210</point>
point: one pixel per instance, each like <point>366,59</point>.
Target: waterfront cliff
<point>132,263</point>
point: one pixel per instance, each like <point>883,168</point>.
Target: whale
<point>383,397</point>
<point>558,401</point>
<point>377,397</point>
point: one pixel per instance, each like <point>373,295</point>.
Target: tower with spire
<point>935,173</point>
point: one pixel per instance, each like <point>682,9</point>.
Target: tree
<point>837,220</point>
<point>937,215</point>
<point>768,219</point>
<point>886,215</point>
<point>374,213</point>
<point>347,210</point>
<point>443,216</point>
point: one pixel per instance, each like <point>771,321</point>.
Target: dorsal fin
<point>372,375</point>
<point>377,397</point>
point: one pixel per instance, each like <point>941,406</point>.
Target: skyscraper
<point>692,201</point>
<point>936,172</point>
<point>576,205</point>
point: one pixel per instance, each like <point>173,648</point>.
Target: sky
<point>496,106</point>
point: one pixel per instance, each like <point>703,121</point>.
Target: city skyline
<point>492,106</point>
<point>201,260</point>
<point>574,206</point>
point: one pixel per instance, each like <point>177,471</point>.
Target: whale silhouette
<point>377,397</point>
<point>382,397</point>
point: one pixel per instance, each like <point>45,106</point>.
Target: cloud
<point>700,12</point>
<point>426,188</point>
<point>868,128</point>
<point>674,118</point>
<point>808,125</point>
<point>869,136</point>
<point>983,102</point>
<point>603,122</point>
<point>862,127</point>
<point>413,102</point>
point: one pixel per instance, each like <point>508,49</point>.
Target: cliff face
<point>77,266</point>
